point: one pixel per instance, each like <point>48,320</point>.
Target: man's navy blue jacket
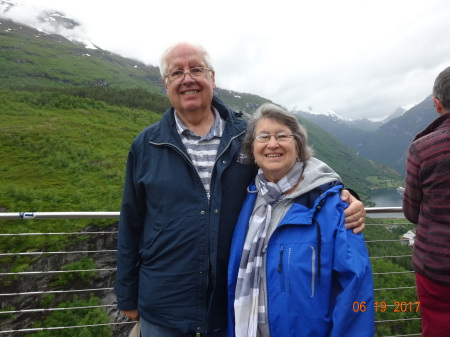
<point>174,243</point>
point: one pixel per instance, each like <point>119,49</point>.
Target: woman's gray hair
<point>163,58</point>
<point>441,88</point>
<point>280,115</point>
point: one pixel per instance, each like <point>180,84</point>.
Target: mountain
<point>385,142</point>
<point>341,127</point>
<point>389,144</point>
<point>43,19</point>
<point>338,125</point>
<point>50,65</point>
<point>33,58</point>
<point>397,113</point>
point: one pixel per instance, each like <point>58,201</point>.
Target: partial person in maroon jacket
<point>426,202</point>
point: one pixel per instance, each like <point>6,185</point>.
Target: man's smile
<point>190,92</point>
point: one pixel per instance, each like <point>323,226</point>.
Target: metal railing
<point>18,291</point>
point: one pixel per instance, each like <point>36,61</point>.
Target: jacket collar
<point>165,131</point>
<point>305,206</point>
<point>444,119</point>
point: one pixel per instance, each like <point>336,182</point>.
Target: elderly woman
<point>294,269</point>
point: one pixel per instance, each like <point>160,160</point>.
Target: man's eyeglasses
<point>179,75</point>
<point>280,137</point>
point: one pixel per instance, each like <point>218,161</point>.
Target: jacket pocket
<point>296,269</point>
<point>146,252</point>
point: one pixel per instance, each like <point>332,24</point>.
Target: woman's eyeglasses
<point>280,137</point>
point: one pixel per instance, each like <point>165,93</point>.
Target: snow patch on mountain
<point>45,20</point>
<point>409,106</point>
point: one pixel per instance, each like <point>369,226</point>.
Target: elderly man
<point>426,202</point>
<point>184,188</point>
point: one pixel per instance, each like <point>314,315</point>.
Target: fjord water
<point>386,197</point>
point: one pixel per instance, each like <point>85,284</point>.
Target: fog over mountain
<point>362,60</point>
<point>45,20</point>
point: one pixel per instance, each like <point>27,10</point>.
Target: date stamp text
<point>397,306</point>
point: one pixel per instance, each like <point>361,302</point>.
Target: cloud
<point>359,58</point>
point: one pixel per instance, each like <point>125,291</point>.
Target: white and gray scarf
<point>249,308</point>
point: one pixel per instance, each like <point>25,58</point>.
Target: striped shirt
<point>202,150</point>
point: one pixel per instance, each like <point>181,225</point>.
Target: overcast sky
<point>358,58</point>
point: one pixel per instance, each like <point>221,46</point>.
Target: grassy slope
<point>65,152</point>
<point>32,58</point>
<point>64,158</point>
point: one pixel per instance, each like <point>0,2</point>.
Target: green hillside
<point>69,115</point>
<point>32,58</point>
<point>64,153</point>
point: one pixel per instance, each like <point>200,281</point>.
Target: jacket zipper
<point>226,147</point>
<point>220,155</point>
<point>188,160</point>
<point>313,268</point>
<point>280,268</point>
<point>289,270</point>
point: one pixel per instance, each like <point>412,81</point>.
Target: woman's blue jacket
<point>318,274</point>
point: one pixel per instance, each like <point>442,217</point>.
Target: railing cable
<point>64,252</point>
<point>56,309</point>
<point>66,327</point>
<point>387,256</point>
<point>56,291</point>
<point>64,233</point>
<point>57,271</point>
